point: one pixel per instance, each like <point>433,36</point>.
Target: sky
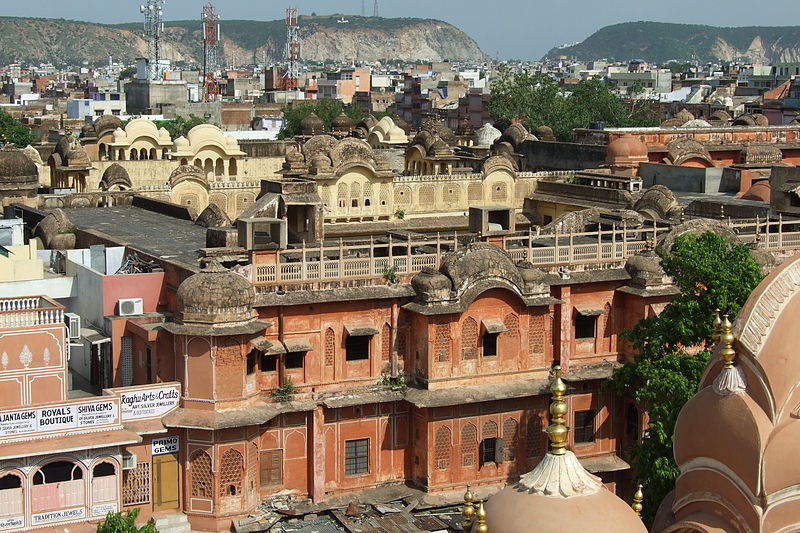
<point>510,29</point>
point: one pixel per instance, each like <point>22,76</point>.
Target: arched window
<point>134,154</point>
<point>102,150</point>
<point>469,444</point>
<point>367,194</point>
<point>57,472</point>
<point>231,469</point>
<point>103,469</point>
<point>232,168</point>
<point>442,343</point>
<point>491,447</point>
<point>153,154</point>
<point>510,438</point>
<point>341,195</point>
<point>58,485</point>
<point>469,339</point>
<point>427,195</point>
<point>184,161</point>
<point>386,343</point>
<point>202,478</point>
<point>330,346</point>
<point>355,195</point>
<point>12,502</point>
<point>535,437</point>
<point>443,447</point>
<point>104,482</point>
<point>143,155</point>
<point>220,168</point>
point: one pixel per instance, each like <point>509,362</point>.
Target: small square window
<point>491,451</point>
<point>294,360</point>
<point>269,362</point>
<point>584,426</point>
<point>356,457</point>
<point>490,344</point>
<point>357,348</point>
<point>584,326</point>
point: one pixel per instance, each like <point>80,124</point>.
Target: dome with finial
<point>312,125</point>
<point>17,171</point>
<point>626,151</point>
<point>215,295</point>
<point>343,124</point>
<point>486,135</point>
<point>558,494</point>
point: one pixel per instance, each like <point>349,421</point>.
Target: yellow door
<point>165,482</point>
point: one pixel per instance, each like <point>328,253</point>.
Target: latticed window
<point>341,195</point>
<point>469,444</point>
<point>442,343</point>
<point>136,485</point>
<point>489,430</point>
<point>386,342</point>
<point>451,194</point>
<point>442,448</point>
<point>469,339</point>
<point>536,439</point>
<point>385,194</point>
<point>427,195</point>
<point>608,325</point>
<point>402,195</point>
<point>511,322</point>
<point>231,469</point>
<point>325,196</point>
<point>475,192</point>
<point>499,191</point>
<point>356,457</point>
<point>510,438</point>
<point>355,195</point>
<point>330,346</point>
<point>367,194</point>
<point>202,479</point>
<point>537,333</point>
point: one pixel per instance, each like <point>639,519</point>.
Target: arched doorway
<point>58,485</point>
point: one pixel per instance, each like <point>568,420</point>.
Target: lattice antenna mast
<point>363,8</point>
<point>153,12</point>
<point>375,11</point>
<point>211,43</point>
<point>291,79</point>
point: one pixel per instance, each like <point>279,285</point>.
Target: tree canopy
<point>12,132</point>
<point>180,126</point>
<point>537,100</point>
<point>124,523</point>
<point>711,272</point>
<point>325,108</point>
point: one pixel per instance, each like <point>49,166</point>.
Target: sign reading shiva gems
<point>149,403</point>
<point>67,416</point>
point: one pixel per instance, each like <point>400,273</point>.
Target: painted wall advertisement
<point>75,415</point>
<point>149,403</point>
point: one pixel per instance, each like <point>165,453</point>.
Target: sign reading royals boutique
<point>76,415</point>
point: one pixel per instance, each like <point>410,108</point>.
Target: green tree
<point>127,73</point>
<point>325,108</point>
<point>711,273</point>
<point>537,100</point>
<point>12,132</point>
<point>180,126</point>
<point>124,523</point>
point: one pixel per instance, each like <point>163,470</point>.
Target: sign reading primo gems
<point>165,445</point>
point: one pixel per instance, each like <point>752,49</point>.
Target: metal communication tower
<point>291,77</point>
<point>375,11</point>
<point>153,28</point>
<point>211,38</point>
<point>363,8</point>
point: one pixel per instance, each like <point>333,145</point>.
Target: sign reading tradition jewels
<point>58,516</point>
<point>148,402</point>
<point>72,415</point>
<point>165,445</point>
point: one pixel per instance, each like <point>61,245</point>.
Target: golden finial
<point>717,335</point>
<point>481,514</point>
<point>683,214</point>
<point>638,497</point>
<point>469,510</point>
<point>722,212</point>
<point>557,431</point>
<point>727,338</point>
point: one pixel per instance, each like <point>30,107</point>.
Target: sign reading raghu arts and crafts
<point>148,402</point>
<point>75,415</point>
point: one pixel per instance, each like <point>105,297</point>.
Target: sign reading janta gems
<point>60,417</point>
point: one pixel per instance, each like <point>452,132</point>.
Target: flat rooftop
<point>157,234</point>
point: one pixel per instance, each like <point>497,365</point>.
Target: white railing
<point>29,311</point>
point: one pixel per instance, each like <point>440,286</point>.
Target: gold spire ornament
<point>717,335</point>
<point>557,431</point>
<point>638,498</point>
<point>481,514</point>
<point>728,352</point>
<point>469,510</point>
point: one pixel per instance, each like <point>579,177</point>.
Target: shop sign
<point>12,522</point>
<point>62,417</point>
<point>165,445</point>
<point>149,403</point>
<point>102,509</point>
<point>58,516</point>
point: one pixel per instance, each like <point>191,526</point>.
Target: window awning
<point>297,345</point>
<point>591,312</point>
<point>360,330</point>
<point>94,337</point>
<point>494,325</point>
<point>603,463</point>
<point>264,345</point>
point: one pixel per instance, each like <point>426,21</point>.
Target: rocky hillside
<point>661,42</point>
<point>66,42</point>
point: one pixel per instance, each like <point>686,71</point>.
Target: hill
<point>69,42</point>
<point>659,42</point>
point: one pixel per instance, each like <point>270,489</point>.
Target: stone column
<point>316,452</point>
<point>562,334</point>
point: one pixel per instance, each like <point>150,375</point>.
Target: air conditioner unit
<point>73,322</point>
<point>128,460</point>
<point>131,306</point>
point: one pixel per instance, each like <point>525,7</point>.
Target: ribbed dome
<point>215,295</point>
<point>115,172</point>
<point>312,125</point>
<point>15,164</point>
<point>107,123</point>
<point>684,116</point>
<point>626,151</point>
<point>342,124</point>
<point>486,135</point>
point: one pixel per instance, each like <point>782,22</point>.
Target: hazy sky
<point>513,28</point>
